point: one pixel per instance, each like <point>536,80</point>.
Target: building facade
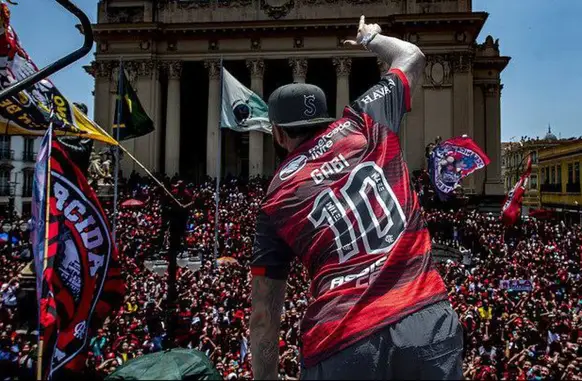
<point>172,51</point>
<point>514,157</point>
<point>559,171</point>
<point>17,157</point>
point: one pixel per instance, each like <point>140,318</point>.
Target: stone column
<point>102,73</point>
<point>212,130</point>
<point>414,152</point>
<point>299,66</point>
<point>257,69</point>
<point>156,135</point>
<point>463,118</point>
<point>493,184</point>
<point>172,156</point>
<point>343,66</point>
<point>462,95</point>
<point>479,133</point>
<point>146,91</point>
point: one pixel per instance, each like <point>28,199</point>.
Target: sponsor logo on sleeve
<point>293,167</point>
<point>379,92</point>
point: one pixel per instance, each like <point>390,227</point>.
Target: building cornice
<point>397,24</point>
<point>488,63</point>
<point>238,55</point>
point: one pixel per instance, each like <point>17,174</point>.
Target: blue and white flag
<point>242,110</point>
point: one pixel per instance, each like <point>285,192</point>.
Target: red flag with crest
<point>511,210</point>
<point>81,281</point>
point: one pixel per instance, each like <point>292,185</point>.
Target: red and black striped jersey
<point>342,203</point>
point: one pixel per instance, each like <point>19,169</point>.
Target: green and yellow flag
<point>133,120</point>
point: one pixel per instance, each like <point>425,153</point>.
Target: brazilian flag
<point>134,122</point>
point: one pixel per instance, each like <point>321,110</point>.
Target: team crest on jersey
<point>293,167</point>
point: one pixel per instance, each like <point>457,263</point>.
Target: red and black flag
<point>511,210</point>
<point>81,277</point>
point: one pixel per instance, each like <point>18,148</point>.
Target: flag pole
<point>47,190</point>
<point>219,165</point>
<point>116,179</point>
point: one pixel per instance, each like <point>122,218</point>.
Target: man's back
<point>342,203</point>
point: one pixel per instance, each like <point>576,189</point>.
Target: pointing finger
<point>362,22</point>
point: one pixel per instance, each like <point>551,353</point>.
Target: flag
<point>81,281</point>
<point>511,210</point>
<point>38,220</point>
<point>452,160</point>
<point>28,112</point>
<point>242,110</point>
<point>135,122</point>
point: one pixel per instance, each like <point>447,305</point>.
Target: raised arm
<point>268,296</point>
<point>399,54</point>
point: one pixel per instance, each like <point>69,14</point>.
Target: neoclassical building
<point>172,50</point>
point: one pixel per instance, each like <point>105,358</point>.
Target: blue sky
<point>542,82</point>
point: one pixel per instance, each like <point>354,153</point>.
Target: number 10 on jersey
<point>380,218</point>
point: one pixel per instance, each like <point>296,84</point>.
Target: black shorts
<point>426,345</point>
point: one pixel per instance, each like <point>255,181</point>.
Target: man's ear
<point>280,136</point>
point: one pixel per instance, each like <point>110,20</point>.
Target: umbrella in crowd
<point>223,261</point>
<point>175,364</point>
<point>132,203</point>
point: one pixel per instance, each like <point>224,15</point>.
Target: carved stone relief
<point>146,68</point>
<point>462,62</point>
<point>213,45</point>
<point>437,71</point>
<point>125,15</point>
<point>173,69</point>
<point>355,2</point>
<point>101,69</point>
<point>255,44</point>
<point>193,4</point>
<point>299,67</point>
<point>343,66</point>
<point>256,67</point>
<point>213,67</point>
<point>492,89</point>
<point>277,8</point>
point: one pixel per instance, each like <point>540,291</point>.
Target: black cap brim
<point>306,123</point>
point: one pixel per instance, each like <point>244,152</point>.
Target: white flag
<point>242,110</point>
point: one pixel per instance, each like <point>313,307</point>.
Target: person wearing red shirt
<point>342,203</point>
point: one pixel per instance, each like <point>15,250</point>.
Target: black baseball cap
<point>298,105</point>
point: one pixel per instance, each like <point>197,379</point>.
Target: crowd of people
<point>532,333</point>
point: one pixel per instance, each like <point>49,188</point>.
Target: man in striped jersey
<point>341,202</point>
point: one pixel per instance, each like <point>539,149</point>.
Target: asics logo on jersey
<point>293,167</point>
<point>379,93</point>
<point>363,278</point>
<point>325,142</point>
<point>336,165</point>
<point>309,102</point>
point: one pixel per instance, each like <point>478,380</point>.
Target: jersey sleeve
<point>271,255</point>
<point>386,102</point>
